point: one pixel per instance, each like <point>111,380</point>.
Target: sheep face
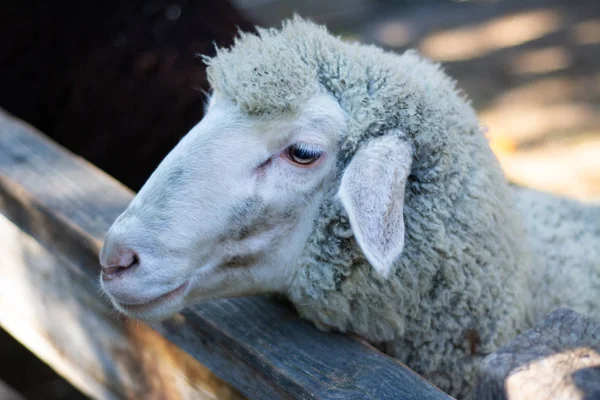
<point>230,210</point>
<point>226,213</point>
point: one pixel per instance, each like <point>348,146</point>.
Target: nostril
<point>111,272</point>
<point>122,260</point>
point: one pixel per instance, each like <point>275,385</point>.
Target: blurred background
<point>119,83</point>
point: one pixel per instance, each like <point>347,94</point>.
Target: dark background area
<point>117,82</point>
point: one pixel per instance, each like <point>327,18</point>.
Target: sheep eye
<point>303,154</point>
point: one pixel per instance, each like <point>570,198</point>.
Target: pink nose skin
<point>117,261</point>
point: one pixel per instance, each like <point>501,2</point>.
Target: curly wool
<point>466,270</point>
<point>564,235</point>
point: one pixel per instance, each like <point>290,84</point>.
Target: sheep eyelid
<point>314,152</point>
<point>284,153</point>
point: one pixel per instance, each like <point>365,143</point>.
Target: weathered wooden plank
<point>54,311</point>
<point>558,359</point>
<point>256,344</point>
<point>7,393</point>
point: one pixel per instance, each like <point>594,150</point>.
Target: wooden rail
<point>55,209</point>
<point>7,393</point>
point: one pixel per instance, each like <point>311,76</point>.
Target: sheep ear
<point>372,193</point>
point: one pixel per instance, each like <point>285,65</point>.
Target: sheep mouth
<point>138,307</point>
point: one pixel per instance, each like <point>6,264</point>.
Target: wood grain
<point>256,344</point>
<point>54,311</point>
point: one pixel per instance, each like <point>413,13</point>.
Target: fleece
<point>468,278</point>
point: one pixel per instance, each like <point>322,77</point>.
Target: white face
<point>227,213</point>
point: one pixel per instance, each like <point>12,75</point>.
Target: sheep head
<point>229,210</point>
<point>355,182</point>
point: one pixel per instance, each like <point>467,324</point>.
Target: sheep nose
<point>116,260</point>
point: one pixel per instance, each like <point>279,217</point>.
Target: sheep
<point>358,184</point>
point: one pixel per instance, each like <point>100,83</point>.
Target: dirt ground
<point>532,70</point>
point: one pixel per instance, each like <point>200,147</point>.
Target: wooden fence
<point>55,209</point>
